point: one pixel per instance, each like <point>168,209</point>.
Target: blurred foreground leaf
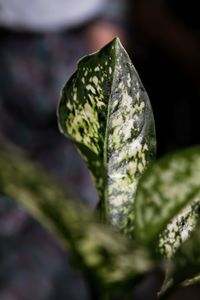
<point>106,257</point>
<point>105,110</point>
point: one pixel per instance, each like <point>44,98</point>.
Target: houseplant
<point>148,214</point>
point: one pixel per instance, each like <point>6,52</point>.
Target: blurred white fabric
<point>47,15</point>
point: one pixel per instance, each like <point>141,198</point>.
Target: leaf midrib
<point>105,151</point>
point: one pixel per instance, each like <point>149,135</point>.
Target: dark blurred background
<point>40,43</point>
<point>165,48</point>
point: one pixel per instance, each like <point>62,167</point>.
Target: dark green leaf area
<point>106,257</point>
<point>83,109</point>
<point>105,109</point>
<point>171,184</point>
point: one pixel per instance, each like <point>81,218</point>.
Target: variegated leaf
<point>107,258</point>
<point>177,232</point>
<point>185,265</point>
<point>168,199</point>
<point>105,110</point>
<point>179,229</point>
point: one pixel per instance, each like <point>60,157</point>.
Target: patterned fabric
<point>33,70</point>
<point>32,265</point>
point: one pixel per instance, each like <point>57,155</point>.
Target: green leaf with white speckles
<point>185,265</point>
<point>167,201</point>
<point>107,258</point>
<point>105,110</point>
<point>179,229</point>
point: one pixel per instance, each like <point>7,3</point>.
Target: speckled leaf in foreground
<point>169,193</point>
<point>105,110</point>
<point>107,258</point>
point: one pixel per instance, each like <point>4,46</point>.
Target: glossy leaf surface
<point>106,257</point>
<point>170,185</point>
<point>105,110</point>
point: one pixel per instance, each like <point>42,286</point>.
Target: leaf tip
<point>116,42</point>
